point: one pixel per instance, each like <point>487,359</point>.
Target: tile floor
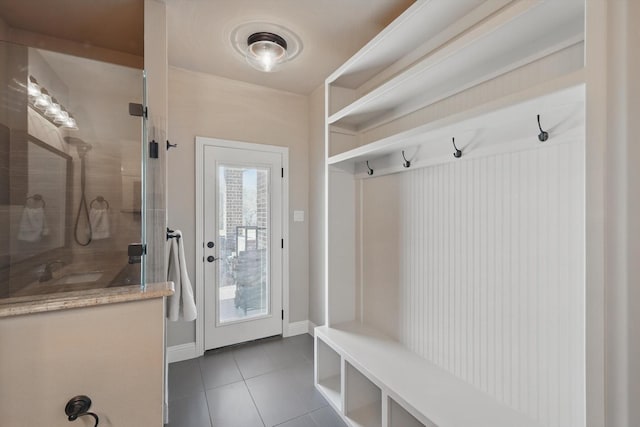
<point>265,383</point>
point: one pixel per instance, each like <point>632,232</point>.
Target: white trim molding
<point>312,328</point>
<point>296,328</point>
<point>178,353</point>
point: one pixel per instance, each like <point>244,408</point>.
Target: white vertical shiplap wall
<point>489,259</point>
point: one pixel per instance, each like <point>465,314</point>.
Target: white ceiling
<point>331,31</point>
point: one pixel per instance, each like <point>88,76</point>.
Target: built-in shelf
<point>400,417</point>
<point>437,396</point>
<point>328,374</point>
<point>513,116</point>
<point>363,399</point>
<point>519,34</point>
<point>423,27</point>
<point>492,76</point>
<point>330,388</point>
<point>366,416</point>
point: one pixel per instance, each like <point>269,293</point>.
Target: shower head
<point>81,146</point>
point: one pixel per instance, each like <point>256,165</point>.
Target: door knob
<point>211,258</point>
<point>210,245</point>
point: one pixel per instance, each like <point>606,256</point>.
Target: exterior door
<point>242,244</point>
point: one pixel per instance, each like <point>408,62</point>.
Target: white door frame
<point>201,142</point>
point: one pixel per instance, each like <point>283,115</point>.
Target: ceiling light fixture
<point>265,46</point>
<point>265,51</point>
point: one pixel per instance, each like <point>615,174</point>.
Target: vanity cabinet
<point>113,353</point>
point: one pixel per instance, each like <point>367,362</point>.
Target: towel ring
<point>99,199</point>
<point>36,198</point>
<point>170,234</point>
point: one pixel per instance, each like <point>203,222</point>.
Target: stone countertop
<point>86,298</point>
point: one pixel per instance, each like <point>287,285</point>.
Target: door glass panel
<point>243,243</point>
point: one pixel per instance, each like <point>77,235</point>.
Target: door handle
<point>211,258</point>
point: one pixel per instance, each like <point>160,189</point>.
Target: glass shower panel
<point>71,175</point>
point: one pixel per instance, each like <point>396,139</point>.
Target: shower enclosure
<point>72,174</point>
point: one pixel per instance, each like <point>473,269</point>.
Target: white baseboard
<point>178,353</point>
<point>297,328</point>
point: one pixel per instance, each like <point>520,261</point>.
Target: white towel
<point>33,224</point>
<point>99,219</point>
<point>182,305</point>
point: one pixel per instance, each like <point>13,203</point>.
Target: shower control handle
<point>211,258</point>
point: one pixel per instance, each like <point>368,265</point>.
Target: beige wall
<point>622,271</point>
<point>112,353</point>
<point>316,206</point>
<point>210,106</point>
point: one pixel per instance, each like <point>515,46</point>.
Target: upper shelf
<point>518,34</point>
<point>433,20</point>
<point>505,119</point>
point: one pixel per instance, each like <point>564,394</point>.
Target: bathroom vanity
<point>107,344</point>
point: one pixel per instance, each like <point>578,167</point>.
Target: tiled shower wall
<point>489,257</point>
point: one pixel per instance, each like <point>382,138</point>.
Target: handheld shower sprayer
<point>82,149</point>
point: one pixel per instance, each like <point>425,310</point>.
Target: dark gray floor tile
<point>219,368</point>
<point>190,411</point>
<point>184,379</point>
<point>231,406</point>
<point>310,397</point>
<point>326,417</point>
<point>301,343</point>
<point>289,351</point>
<point>285,394</point>
<point>303,421</point>
<point>253,360</point>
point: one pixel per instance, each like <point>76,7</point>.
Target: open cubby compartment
<point>421,29</point>
<point>397,416</point>
<point>363,399</point>
<point>328,373</point>
<point>518,34</point>
<point>342,140</point>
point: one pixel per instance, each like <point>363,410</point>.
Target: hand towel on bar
<point>33,225</point>
<point>99,219</point>
<point>182,305</point>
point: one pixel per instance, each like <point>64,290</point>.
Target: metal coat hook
<point>457,154</point>
<point>370,171</point>
<point>406,162</point>
<point>542,136</point>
